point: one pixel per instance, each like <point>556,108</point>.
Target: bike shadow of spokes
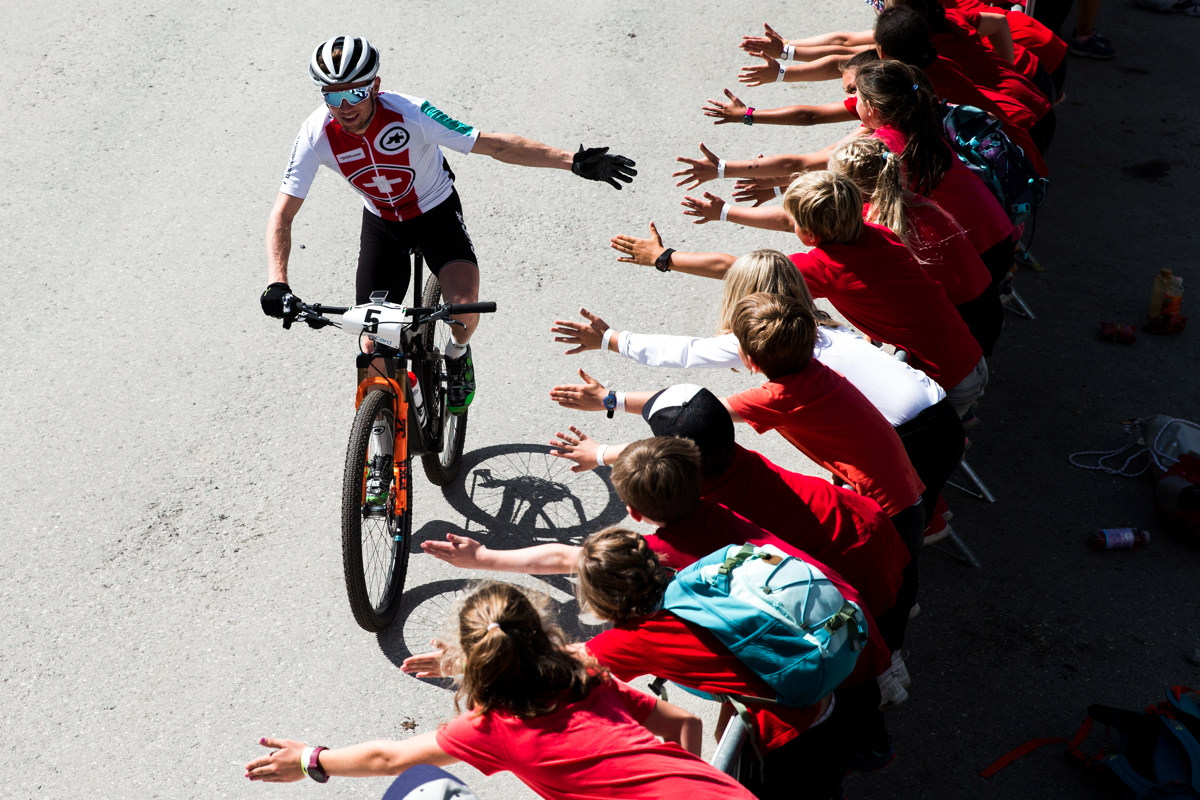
<point>522,492</point>
<point>430,612</point>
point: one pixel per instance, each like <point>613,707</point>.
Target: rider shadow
<point>511,496</point>
<point>519,494</point>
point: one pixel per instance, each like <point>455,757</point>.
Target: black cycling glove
<point>595,164</point>
<point>275,298</point>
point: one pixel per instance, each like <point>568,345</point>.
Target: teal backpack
<point>779,615</point>
<point>980,142</point>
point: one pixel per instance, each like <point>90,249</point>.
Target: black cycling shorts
<point>384,245</point>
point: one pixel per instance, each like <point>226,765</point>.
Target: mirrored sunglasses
<point>351,96</point>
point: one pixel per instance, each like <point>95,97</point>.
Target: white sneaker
<point>891,692</point>
<point>916,609</point>
<point>900,669</point>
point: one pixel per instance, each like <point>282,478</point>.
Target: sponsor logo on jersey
<point>392,139</point>
<point>351,155</point>
<point>386,183</point>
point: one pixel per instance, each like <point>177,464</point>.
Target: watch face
<point>610,401</point>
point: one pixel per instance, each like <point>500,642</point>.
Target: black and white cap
<point>695,413</point>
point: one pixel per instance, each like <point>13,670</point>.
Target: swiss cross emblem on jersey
<point>387,183</point>
<point>392,139</point>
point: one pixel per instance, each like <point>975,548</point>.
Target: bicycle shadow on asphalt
<point>510,496</point>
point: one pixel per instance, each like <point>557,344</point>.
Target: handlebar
<point>314,313</point>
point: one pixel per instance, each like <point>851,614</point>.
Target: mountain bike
<point>401,412</point>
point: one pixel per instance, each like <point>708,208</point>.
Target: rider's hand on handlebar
<point>597,164</point>
<point>278,301</point>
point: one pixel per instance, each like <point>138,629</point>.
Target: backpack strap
<point>736,559</point>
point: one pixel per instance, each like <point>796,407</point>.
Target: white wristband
<point>778,192</point>
<point>724,212</point>
<point>620,401</point>
<point>600,455</point>
<point>789,52</point>
<point>721,168</point>
<point>305,754</point>
<point>782,71</point>
<point>606,338</point>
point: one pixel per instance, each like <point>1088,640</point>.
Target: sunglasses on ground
<point>351,96</point>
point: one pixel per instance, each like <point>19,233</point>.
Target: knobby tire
<point>440,467</point>
<point>375,545</point>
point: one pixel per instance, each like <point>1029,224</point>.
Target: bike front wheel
<point>376,515</point>
<point>442,466</point>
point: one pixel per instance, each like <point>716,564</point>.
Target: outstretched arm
<point>367,759</point>
<point>735,111</point>
<point>279,236</point>
<point>646,252</point>
<point>710,208</point>
<point>594,163</point>
<point>701,170</point>
<point>467,553</point>
<point>826,68</point>
<point>589,396</point>
<point>580,448</point>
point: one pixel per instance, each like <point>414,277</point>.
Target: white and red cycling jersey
<point>395,164</point>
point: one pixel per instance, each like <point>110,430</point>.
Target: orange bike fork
<point>400,447</point>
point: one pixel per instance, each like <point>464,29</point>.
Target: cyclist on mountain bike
<point>387,145</point>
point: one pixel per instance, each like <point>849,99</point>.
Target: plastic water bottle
<point>1162,281</point>
<point>1173,296</point>
<point>1118,539</point>
<point>418,400</point>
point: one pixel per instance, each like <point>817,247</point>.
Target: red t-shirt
<point>669,647</point>
<point>1017,95</point>
<point>593,749</point>
<point>831,422</point>
<point>946,253</point>
<point>1027,32</point>
<point>964,196</point>
<point>838,527</point>
<point>884,293</point>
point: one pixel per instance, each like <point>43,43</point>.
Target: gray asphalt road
<point>172,458</point>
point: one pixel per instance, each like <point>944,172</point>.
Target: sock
<point>455,350</point>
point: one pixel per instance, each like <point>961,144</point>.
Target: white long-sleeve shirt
<point>896,389</point>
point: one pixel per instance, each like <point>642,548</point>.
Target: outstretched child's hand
<point>575,446</point>
<point>584,335</point>
<point>639,251</point>
<point>699,170</point>
<point>767,72</point>
<point>427,665</point>
<point>282,765</point>
<point>733,111</point>
<point>756,190</point>
<point>461,551</point>
<point>707,208</point>
<point>769,44</point>
<point>587,396</point>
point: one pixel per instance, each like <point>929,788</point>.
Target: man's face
<point>352,116</point>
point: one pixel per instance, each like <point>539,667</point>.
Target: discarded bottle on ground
<point>1118,539</point>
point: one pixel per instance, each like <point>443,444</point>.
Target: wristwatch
<point>663,262</point>
<point>748,117</point>
<point>314,770</point>
<point>610,399</point>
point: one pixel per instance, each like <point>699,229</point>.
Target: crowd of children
<point>915,251</point>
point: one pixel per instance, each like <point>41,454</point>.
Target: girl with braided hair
<point>556,720</point>
<point>937,242</point>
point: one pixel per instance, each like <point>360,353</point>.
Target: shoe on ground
<point>870,760</point>
<point>936,530</point>
<point>941,509</point>
<point>970,420</point>
<point>914,611</point>
<point>891,692</point>
<point>1092,47</point>
<point>900,669</point>
<point>461,383</point>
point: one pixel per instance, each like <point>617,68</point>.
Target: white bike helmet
<point>343,59</point>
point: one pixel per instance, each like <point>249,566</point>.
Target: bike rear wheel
<point>376,533</point>
<point>441,467</point>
